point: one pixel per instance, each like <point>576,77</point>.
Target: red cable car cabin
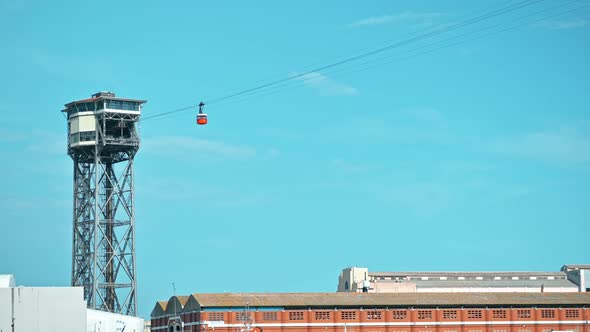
<point>202,119</point>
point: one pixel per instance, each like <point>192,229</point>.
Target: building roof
<point>176,304</point>
<point>577,266</point>
<point>7,281</point>
<point>468,274</point>
<point>96,98</point>
<point>561,283</point>
<point>387,299</point>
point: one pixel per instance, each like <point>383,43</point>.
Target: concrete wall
<point>496,290</point>
<point>42,309</point>
<point>352,276</point>
<point>100,321</point>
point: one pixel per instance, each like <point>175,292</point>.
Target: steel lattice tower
<point>103,139</point>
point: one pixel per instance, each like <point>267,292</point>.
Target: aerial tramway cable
<point>377,62</point>
<point>302,76</point>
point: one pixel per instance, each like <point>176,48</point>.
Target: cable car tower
<point>103,139</point>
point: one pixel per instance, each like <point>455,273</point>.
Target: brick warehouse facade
<point>362,312</point>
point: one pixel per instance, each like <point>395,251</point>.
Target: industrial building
<point>36,309</point>
<point>381,312</point>
<point>571,278</point>
<point>49,309</point>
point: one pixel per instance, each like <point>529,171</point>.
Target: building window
<point>546,313</point>
<point>216,316</point>
<point>399,314</point>
<point>74,138</point>
<point>498,313</point>
<point>122,105</point>
<point>449,314</point>
<point>373,315</point>
<point>86,136</point>
<point>322,315</point>
<point>347,315</point>
<point>572,313</point>
<point>499,330</point>
<point>523,313</point>
<point>270,315</point>
<point>243,317</point>
<point>296,315</point>
<point>424,314</point>
<point>473,314</point>
<point>346,285</point>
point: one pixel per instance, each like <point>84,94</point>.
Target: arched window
<point>346,285</point>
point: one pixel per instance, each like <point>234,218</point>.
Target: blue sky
<point>474,156</point>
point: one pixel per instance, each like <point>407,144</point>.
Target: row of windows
<point>498,314</point>
<point>524,313</point>
<point>296,315</point>
<point>373,315</point>
<point>243,317</point>
<point>270,315</point>
<point>396,314</point>
<point>110,104</point>
<point>322,315</point>
<point>424,314</point>
<point>83,136</point>
<point>474,314</point>
<point>122,105</point>
<point>347,315</point>
<point>216,316</point>
<point>399,314</point>
<point>449,314</point>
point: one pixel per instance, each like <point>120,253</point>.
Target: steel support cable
<point>386,48</point>
<point>373,64</point>
<point>411,53</point>
<point>366,49</point>
<point>455,26</point>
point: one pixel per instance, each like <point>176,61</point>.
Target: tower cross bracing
<point>103,139</point>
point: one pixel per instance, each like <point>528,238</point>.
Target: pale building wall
<point>495,290</point>
<point>42,309</point>
<point>351,277</point>
<point>100,321</point>
<point>393,287</point>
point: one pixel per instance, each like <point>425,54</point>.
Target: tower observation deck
<point>103,139</point>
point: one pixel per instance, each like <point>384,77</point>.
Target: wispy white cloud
<point>327,86</point>
<point>349,167</point>
<point>561,146</point>
<point>407,16</point>
<point>562,25</point>
<point>202,148</point>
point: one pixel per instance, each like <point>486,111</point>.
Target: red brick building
<point>376,312</point>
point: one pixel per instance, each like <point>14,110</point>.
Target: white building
<point>41,309</point>
<point>55,309</point>
<point>571,278</point>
